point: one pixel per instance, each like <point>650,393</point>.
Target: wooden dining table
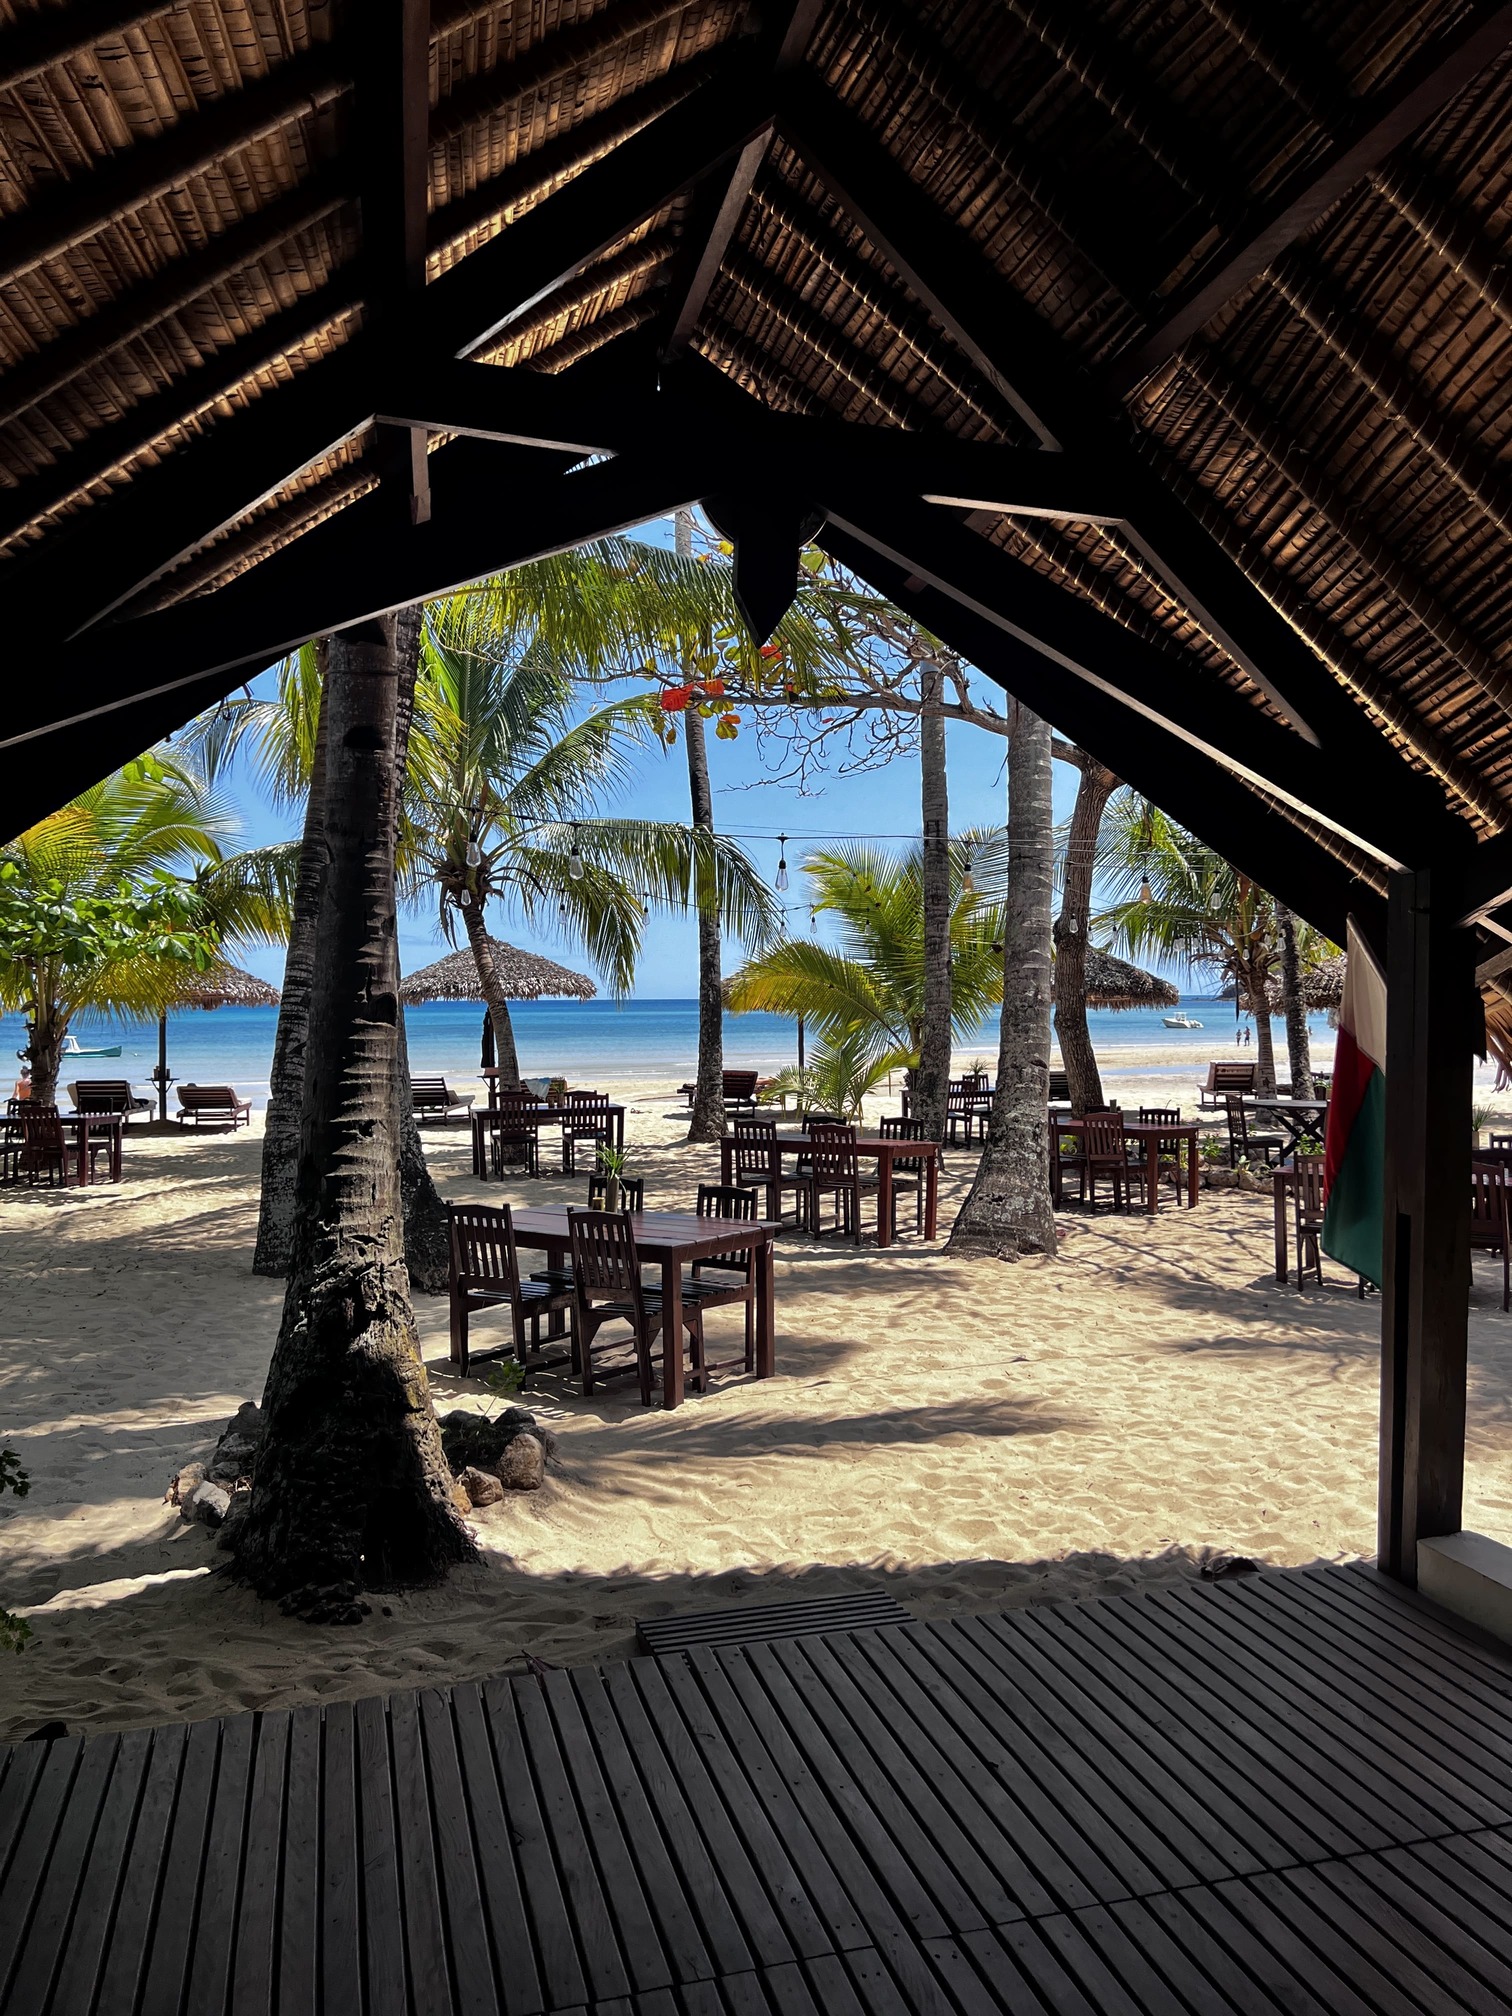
<point>672,1240</point>
<point>1153,1135</point>
<point>1295,1117</point>
<point>80,1126</point>
<point>483,1117</point>
<point>871,1148</point>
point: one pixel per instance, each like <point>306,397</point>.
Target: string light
<point>474,854</point>
<point>575,858</point>
<point>968,885</point>
<point>782,867</point>
<point>1146,893</point>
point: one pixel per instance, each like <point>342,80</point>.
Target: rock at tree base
<point>522,1466</point>
<point>481,1486</point>
<point>207,1503</point>
<point>477,1441</point>
<point>236,1451</point>
<point>460,1498</point>
<point>184,1485</point>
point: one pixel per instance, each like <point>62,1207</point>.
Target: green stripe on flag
<point>1355,1218</point>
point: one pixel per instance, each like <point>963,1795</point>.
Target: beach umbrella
<point>1117,983</point>
<point>527,976</point>
<point>1322,985</point>
<point>219,986</point>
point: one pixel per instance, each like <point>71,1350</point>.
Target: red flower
<point>770,651</point>
<point>714,689</point>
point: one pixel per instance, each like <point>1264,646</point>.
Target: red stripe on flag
<point>1352,1073</point>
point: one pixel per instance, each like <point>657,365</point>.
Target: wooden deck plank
<point>1203,1922</point>
<point>561,1970</point>
<point>172,1951</point>
<point>376,1849</point>
<point>1286,1917</point>
<point>220,1880</point>
<point>419,1876</point>
<point>1195,1974</point>
<point>46,1813</point>
<point>124,1960</point>
<point>1433,1941</point>
<point>23,1768</point>
<point>1399,1619</point>
<point>503,1896</point>
<point>299,1924</point>
<point>255,1944</point>
<point>761,1623</point>
<point>472,1966</point>
<point>340,1903</point>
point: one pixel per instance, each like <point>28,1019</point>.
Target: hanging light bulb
<point>474,854</point>
<point>782,872</point>
<point>575,858</point>
<point>1146,894</point>
<point>968,884</point>
<point>562,909</point>
<point>1073,925</point>
<point>464,897</point>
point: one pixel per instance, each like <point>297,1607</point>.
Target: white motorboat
<point>1182,1022</point>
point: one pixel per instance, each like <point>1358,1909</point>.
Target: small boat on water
<point>1181,1022</point>
<point>73,1048</point>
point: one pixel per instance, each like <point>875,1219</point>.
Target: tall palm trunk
<point>1008,1210</point>
<point>47,1027</point>
<point>1095,788</point>
<point>708,1118</point>
<point>1298,1043</point>
<point>1265,1049</point>
<point>505,1055</point>
<point>931,1087</point>
<point>280,1152</point>
<point>351,1489</point>
<point>427,1235</point>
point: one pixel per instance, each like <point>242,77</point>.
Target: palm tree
<point>1175,896</point>
<point>866,997</point>
<point>111,900</point>
<point>505,811</point>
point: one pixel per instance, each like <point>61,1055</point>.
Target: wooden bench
<point>212,1106</point>
<point>433,1099</point>
<point>1226,1079</point>
<point>106,1095</point>
<point>755,1623</point>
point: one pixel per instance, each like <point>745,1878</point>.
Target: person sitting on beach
<point>23,1084</point>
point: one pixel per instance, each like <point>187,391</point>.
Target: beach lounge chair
<point>485,1274</point>
<point>433,1099</point>
<point>740,1089</point>
<point>1060,1088</point>
<point>212,1106</point>
<point>1224,1077</point>
<point>106,1095</point>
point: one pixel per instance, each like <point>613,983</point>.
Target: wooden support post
<point>1433,1026</point>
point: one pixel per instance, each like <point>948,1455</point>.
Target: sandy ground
<point>966,1435</point>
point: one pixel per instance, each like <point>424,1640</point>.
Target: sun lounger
<point>433,1099</point>
<point>1226,1079</point>
<point>106,1095</point>
<point>212,1106</point>
<point>739,1091</point>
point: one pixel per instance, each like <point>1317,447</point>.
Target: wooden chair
<point>607,1284</point>
<point>634,1193</point>
<point>1489,1222</point>
<point>908,1172</point>
<point>964,1113</point>
<point>485,1274</point>
<point>1244,1142</point>
<point>1105,1151</point>
<point>757,1161</point>
<point>507,1130</point>
<point>585,1117</point>
<point>1307,1216</point>
<point>1167,1153</point>
<point>212,1106</point>
<point>46,1149</point>
<point>433,1099</point>
<point>1501,1140</point>
<point>837,1174</point>
<point>726,1280</point>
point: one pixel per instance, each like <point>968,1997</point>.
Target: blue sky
<point>882,804</point>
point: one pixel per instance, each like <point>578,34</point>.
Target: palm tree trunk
<point>427,1234</point>
<point>1008,1212</point>
<point>351,1490</point>
<point>1095,788</point>
<point>931,1086</point>
<point>1265,1049</point>
<point>280,1152</point>
<point>44,1041</point>
<point>1298,1043</point>
<point>505,1055</point>
<point>708,1118</point>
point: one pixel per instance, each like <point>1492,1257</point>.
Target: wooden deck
<point>1291,1792</point>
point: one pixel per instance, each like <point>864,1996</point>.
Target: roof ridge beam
<point>122,182</point>
<point>1309,291</point>
<point>1381,123</point>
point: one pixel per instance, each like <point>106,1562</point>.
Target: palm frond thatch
<point>226,986</point>
<point>1118,983</point>
<point>526,976</point>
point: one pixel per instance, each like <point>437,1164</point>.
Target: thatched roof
<point>1322,985</point>
<point>526,976</point>
<point>226,986</point>
<point>1117,983</point>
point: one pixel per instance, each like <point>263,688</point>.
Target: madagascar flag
<point>1354,1169</point>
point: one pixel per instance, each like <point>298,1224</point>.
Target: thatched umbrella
<point>1116,983</point>
<point>219,986</point>
<point>526,977</point>
<point>1322,985</point>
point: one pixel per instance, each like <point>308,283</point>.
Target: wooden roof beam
<point>1379,125</point>
<point>1020,358</point>
<point>794,30</point>
<point>1179,777</point>
<point>1435,214</point>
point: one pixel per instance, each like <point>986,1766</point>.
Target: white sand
<point>967,1435</point>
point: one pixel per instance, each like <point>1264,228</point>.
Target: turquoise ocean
<point>584,1041</point>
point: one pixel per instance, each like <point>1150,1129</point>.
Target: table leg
<point>556,1319</point>
<point>1278,1206</point>
<point>1152,1177</point>
<point>766,1302</point>
<point>672,1343</point>
<point>1055,1165</point>
<point>931,1195</point>
<point>884,1198</point>
<point>477,1143</point>
<point>1192,1172</point>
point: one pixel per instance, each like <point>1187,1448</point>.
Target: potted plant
<point>611,1162</point>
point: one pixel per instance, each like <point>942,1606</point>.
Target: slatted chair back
<point>756,1155</point>
<point>43,1144</point>
<point>806,1121</point>
<point>604,1260</point>
<point>834,1152</point>
<point>755,1130</point>
<point>483,1247</point>
<point>1103,1138</point>
<point>632,1190</point>
<point>1501,1140</point>
<point>1160,1116</point>
<point>588,1102</point>
<point>1488,1206</point>
<point>726,1200</point>
<point>1307,1175</point>
<point>907,1129</point>
<point>1060,1088</point>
